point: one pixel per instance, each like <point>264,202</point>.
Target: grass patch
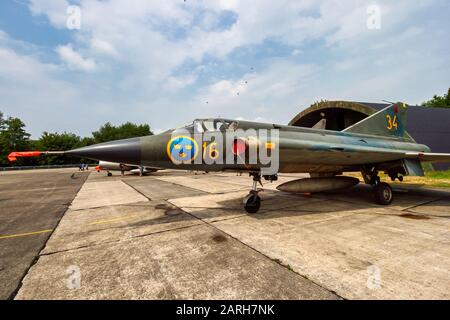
<point>438,174</point>
<point>436,179</point>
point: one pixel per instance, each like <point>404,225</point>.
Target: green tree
<point>3,152</point>
<point>109,132</point>
<point>439,101</point>
<point>13,137</point>
<point>14,134</point>
<point>86,141</point>
<point>2,122</point>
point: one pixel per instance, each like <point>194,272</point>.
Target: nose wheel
<point>252,202</point>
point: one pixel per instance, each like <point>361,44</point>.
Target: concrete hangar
<point>430,126</point>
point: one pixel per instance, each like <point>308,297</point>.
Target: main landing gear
<point>382,191</point>
<point>252,202</point>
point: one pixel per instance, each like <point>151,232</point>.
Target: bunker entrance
<point>337,119</point>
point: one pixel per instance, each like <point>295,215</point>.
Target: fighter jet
<point>114,166</point>
<point>378,143</point>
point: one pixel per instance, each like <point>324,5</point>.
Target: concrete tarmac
<point>177,235</point>
<point>31,205</point>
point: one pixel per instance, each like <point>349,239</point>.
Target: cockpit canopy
<point>210,125</point>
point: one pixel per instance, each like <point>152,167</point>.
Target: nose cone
<point>127,151</point>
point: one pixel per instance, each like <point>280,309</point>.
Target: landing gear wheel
<point>109,174</point>
<point>252,203</point>
<point>383,193</point>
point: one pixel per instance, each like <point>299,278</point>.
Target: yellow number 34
<point>392,122</point>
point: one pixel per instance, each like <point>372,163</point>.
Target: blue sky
<point>167,62</point>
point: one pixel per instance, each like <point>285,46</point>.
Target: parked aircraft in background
<point>114,166</point>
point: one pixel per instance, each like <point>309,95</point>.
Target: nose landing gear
<point>252,202</point>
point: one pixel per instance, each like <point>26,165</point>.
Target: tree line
<point>13,137</point>
<point>439,101</point>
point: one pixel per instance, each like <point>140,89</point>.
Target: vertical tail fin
<point>389,122</point>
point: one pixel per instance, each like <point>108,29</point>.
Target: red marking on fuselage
<point>239,147</point>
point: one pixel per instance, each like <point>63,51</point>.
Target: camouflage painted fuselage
<point>300,150</point>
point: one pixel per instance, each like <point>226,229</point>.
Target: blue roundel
<point>182,149</point>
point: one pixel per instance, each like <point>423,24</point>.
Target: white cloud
<point>55,10</point>
<point>103,47</point>
<point>3,36</point>
<point>145,35</point>
<point>33,91</point>
<point>145,52</point>
<point>141,30</point>
<point>176,83</point>
<point>74,60</point>
<point>296,52</point>
<point>283,85</point>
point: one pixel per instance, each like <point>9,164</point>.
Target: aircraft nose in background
<point>122,151</point>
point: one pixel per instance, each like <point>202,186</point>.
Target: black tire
<point>252,203</point>
<point>109,174</point>
<point>383,194</point>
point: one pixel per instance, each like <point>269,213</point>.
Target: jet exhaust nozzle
<point>312,185</point>
<point>122,151</point>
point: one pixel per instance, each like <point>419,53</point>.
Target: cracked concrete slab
<point>404,197</point>
<point>105,193</point>
<point>157,189</point>
<point>174,234</point>
<point>31,204</point>
<point>193,263</point>
<point>439,208</point>
<point>214,207</point>
<point>205,183</point>
<point>339,250</point>
<point>83,228</point>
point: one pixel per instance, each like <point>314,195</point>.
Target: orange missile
<point>14,155</point>
<point>21,154</point>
